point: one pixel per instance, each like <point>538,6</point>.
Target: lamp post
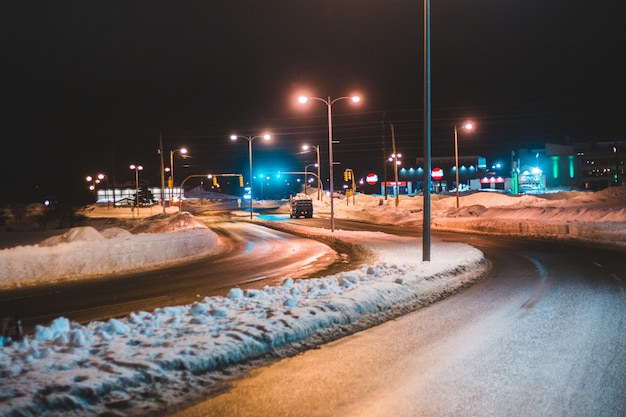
<point>250,139</point>
<point>427,136</point>
<point>616,164</point>
<point>306,167</point>
<point>396,162</point>
<point>93,181</point>
<point>329,103</point>
<point>317,152</point>
<point>182,151</point>
<point>467,126</point>
<point>97,180</point>
<point>137,168</point>
<point>395,159</point>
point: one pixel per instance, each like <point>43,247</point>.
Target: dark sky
<point>88,86</point>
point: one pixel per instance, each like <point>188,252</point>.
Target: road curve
<point>256,257</point>
<point>541,335</point>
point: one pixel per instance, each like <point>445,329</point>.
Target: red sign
<point>371,178</point>
<point>437,174</point>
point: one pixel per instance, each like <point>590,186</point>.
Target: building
<point>588,166</point>
<point>471,168</point>
<point>601,164</point>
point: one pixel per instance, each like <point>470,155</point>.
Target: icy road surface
<point>542,335</point>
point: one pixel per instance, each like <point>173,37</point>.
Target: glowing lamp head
<point>468,126</point>
<point>266,136</point>
<point>355,99</point>
<point>303,99</point>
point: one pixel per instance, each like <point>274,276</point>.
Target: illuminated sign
<point>487,180</point>
<point>437,174</point>
<point>371,178</point>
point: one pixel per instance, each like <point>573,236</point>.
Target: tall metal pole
<point>384,158</point>
<point>172,175</point>
<point>137,189</point>
<point>319,186</point>
<point>427,132</point>
<point>329,104</point>
<point>332,164</point>
<point>162,172</point>
<point>250,139</point>
<point>395,164</point>
<point>456,162</point>
<point>250,159</point>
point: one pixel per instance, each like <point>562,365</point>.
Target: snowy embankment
<point>597,218</point>
<point>85,252</point>
<point>149,361</point>
<point>139,364</point>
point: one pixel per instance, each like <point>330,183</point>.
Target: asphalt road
<point>256,257</point>
<point>541,335</point>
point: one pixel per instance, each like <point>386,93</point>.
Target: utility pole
<point>395,164</point>
<point>384,157</point>
<point>427,133</point>
<point>112,163</point>
<point>162,172</point>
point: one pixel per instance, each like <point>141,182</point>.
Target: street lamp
<point>329,103</point>
<point>250,139</point>
<point>306,168</point>
<point>97,180</point>
<point>395,159</point>
<point>94,180</point>
<point>468,127</point>
<point>317,152</point>
<point>182,151</point>
<point>137,168</point>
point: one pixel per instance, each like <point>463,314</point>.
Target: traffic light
<point>214,180</point>
<point>347,175</point>
<point>241,181</point>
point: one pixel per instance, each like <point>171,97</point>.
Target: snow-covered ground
<point>84,252</point>
<point>147,362</point>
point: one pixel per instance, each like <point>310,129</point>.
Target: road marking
<point>543,287</point>
<point>254,279</point>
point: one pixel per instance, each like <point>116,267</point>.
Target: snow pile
<point>83,251</point>
<point>139,364</point>
<point>146,360</point>
<point>592,218</point>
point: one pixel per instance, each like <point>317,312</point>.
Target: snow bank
<point>581,217</point>
<point>138,364</point>
<point>85,252</point>
<point>149,358</point>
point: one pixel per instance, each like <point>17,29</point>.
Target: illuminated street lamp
<point>317,152</point>
<point>92,186</point>
<point>329,103</point>
<point>182,151</point>
<point>395,159</point>
<point>468,127</point>
<point>137,168</point>
<point>94,180</point>
<point>306,168</point>
<point>250,139</point>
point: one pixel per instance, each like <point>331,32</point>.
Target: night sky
<point>88,86</point>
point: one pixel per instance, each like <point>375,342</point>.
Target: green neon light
<point>555,167</point>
